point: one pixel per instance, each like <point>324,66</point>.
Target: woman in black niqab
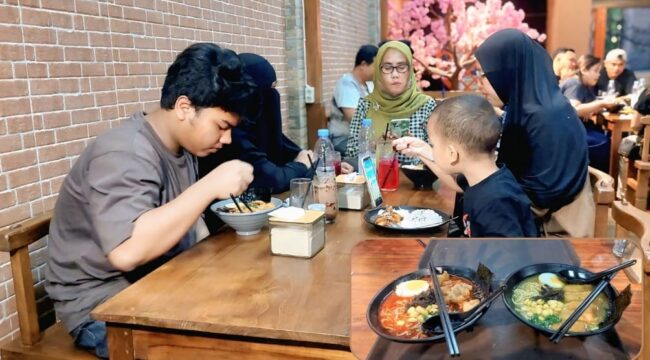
<point>543,141</point>
<point>258,139</point>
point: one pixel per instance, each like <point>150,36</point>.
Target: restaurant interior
<point>281,179</point>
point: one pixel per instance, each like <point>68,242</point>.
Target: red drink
<point>337,167</point>
<point>388,174</point>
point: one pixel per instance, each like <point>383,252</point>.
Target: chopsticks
<point>234,200</point>
<point>564,328</point>
<point>447,328</point>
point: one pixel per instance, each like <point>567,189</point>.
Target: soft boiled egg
<point>551,280</point>
<point>411,288</point>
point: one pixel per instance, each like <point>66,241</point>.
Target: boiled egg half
<point>551,280</point>
<point>411,288</point>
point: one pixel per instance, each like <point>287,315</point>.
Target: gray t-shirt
<point>121,175</point>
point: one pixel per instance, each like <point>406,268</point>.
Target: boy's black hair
<point>210,76</point>
<point>467,120</point>
<point>366,53</point>
<point>561,50</point>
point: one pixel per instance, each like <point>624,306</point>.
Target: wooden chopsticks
<point>447,328</point>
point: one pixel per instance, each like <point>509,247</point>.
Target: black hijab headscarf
<point>264,125</point>
<point>543,142</point>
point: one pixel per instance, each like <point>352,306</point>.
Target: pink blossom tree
<point>445,33</point>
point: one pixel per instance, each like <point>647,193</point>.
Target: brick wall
<point>345,26</point>
<point>71,69</point>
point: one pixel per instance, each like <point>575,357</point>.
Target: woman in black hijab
<point>258,139</point>
<point>543,141</point>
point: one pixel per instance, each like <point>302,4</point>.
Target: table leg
<point>120,342</point>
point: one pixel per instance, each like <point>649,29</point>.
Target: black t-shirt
<point>623,83</point>
<point>497,207</point>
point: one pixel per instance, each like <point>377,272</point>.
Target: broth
<point>256,205</point>
<point>551,311</point>
<point>403,316</point>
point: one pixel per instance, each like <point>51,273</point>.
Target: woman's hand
<point>346,168</point>
<point>412,146</point>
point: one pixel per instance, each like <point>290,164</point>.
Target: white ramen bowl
<point>245,223</point>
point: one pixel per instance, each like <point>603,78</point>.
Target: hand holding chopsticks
<point>447,328</point>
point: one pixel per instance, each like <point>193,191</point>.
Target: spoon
<point>433,324</point>
<point>575,277</point>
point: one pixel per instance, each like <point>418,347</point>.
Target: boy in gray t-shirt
<point>132,199</point>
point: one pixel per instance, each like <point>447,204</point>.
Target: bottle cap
<point>323,133</point>
<point>366,122</point>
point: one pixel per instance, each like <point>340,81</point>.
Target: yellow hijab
<point>384,107</point>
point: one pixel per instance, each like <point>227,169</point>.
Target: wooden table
<point>617,124</point>
<point>377,262</point>
<point>228,297</point>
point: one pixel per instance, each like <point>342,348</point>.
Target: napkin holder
<point>352,192</point>
<point>303,237</point>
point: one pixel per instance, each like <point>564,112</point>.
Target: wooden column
<point>316,118</point>
<point>600,31</point>
<point>383,16</point>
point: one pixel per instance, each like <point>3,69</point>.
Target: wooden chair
<point>602,186</point>
<point>36,341</point>
<point>638,186</point>
<point>628,218</point>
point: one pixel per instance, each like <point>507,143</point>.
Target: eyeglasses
<point>388,68</point>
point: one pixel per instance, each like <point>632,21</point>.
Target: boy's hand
<point>230,177</point>
<point>412,146</point>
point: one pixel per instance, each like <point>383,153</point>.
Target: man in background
<point>614,69</point>
<point>565,64</point>
<point>349,89</point>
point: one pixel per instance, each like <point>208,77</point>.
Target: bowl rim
<point>381,295</point>
<point>534,269</point>
<point>276,201</point>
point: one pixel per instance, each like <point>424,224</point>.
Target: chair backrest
<point>645,148</point>
<point>15,240</point>
<point>628,218</point>
<point>602,186</point>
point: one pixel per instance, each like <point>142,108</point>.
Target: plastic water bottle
<point>324,182</point>
<point>367,142</point>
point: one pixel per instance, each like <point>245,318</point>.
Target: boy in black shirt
<point>464,132</point>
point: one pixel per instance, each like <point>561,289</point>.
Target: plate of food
<point>406,218</point>
<point>398,311</point>
<point>540,299</point>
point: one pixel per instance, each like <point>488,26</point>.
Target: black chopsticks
<point>568,323</point>
<point>447,328</point>
<point>234,200</point>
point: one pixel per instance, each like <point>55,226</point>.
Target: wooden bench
<point>36,341</point>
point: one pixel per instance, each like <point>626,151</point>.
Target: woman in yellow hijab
<point>395,96</point>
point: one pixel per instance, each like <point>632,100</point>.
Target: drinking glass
<point>388,169</point>
<point>301,194</point>
<point>335,161</point>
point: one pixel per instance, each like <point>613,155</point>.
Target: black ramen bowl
<point>616,108</point>
<point>515,278</point>
<point>372,315</point>
<point>422,178</point>
<point>371,216</point>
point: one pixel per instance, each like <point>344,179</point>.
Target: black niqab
<point>543,142</point>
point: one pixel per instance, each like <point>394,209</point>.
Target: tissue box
<point>352,192</point>
<point>303,237</point>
